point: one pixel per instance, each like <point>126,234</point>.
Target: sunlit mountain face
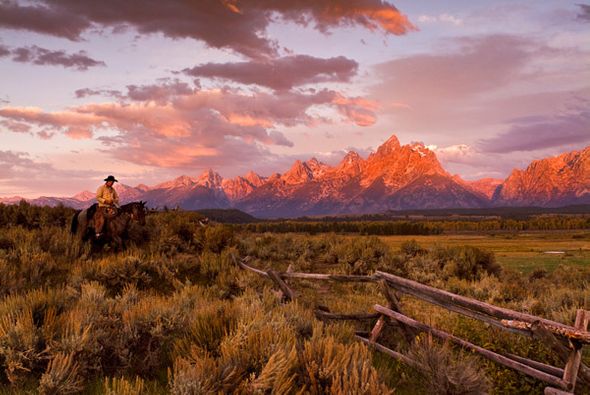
<point>293,103</point>
<point>394,177</point>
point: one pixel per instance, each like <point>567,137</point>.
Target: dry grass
<point>173,314</point>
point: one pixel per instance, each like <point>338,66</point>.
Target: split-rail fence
<point>566,341</point>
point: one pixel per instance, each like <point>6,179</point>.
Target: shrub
<point>123,386</point>
<point>444,372</point>
<point>61,376</point>
<point>217,237</point>
<point>20,348</point>
<point>411,248</point>
<point>207,326</point>
<point>361,255</point>
<point>468,262</point>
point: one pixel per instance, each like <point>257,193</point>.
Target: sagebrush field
<point>174,314</point>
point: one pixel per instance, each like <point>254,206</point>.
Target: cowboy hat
<point>111,178</point>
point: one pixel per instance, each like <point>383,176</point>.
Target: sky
<point>151,90</point>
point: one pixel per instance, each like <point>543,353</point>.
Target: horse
<point>82,223</point>
<point>114,229</point>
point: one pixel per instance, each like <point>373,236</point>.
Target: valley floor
<point>524,251</point>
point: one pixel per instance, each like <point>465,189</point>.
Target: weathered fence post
<point>572,366</point>
<point>393,304</point>
<point>276,278</point>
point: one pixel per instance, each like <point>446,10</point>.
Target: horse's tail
<point>74,225</point>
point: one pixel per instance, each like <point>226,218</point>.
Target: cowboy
<point>108,199</point>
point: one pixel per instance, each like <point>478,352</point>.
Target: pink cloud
<point>173,126</point>
<point>203,20</point>
<point>43,19</point>
<point>74,124</point>
<point>78,133</point>
<point>42,56</point>
<point>476,83</point>
<point>22,174</point>
<point>371,14</point>
<point>478,64</point>
<point>45,134</point>
<point>584,14</point>
<point>159,92</point>
<point>540,132</point>
<point>358,110</point>
<point>4,50</point>
<point>281,73</point>
<point>86,92</point>
<point>13,162</point>
<point>14,126</point>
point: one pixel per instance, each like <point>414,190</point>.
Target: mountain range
<point>395,177</point>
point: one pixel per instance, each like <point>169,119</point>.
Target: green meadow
<point>524,252</point>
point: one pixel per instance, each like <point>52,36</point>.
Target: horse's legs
<point>119,242</point>
<point>95,245</point>
<point>87,234</point>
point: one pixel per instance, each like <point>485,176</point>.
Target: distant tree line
<point>545,222</point>
<point>421,226</point>
<point>358,227</point>
<point>30,216</point>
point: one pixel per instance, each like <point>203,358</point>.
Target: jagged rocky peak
<point>254,178</point>
<point>395,177</point>
<point>391,145</point>
<point>351,157</point>
<point>351,164</point>
<point>237,187</point>
<point>485,186</point>
<point>210,179</point>
<point>398,165</point>
<point>317,168</point>
<point>83,196</point>
<point>274,177</point>
<point>559,180</point>
<point>420,148</point>
<point>298,173</point>
<point>178,182</point>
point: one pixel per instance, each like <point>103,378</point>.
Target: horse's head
<point>137,210</point>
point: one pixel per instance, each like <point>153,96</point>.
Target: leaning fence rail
<point>566,341</point>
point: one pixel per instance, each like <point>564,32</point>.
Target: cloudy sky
<point>149,90</point>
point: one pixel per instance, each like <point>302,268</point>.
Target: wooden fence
<point>566,341</point>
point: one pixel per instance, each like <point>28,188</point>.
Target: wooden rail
<point>566,341</point>
<point>501,359</point>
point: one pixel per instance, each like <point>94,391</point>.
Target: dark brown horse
<point>115,228</point>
